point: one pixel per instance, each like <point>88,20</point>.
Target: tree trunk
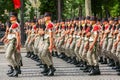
<point>88,7</point>
<point>107,13</point>
<point>59,9</point>
<point>22,23</point>
<point>80,10</point>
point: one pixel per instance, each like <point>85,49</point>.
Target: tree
<point>49,6</point>
<point>5,7</point>
<point>73,8</point>
<point>88,8</point>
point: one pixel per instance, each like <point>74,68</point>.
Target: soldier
<point>46,54</point>
<point>76,37</point>
<point>31,38</point>
<point>92,53</point>
<point>84,44</point>
<point>68,41</point>
<point>110,40</point>
<point>14,39</point>
<point>101,32</point>
<point>104,40</point>
<point>78,43</point>
<point>41,44</point>
<point>28,33</point>
<point>74,31</point>
<point>60,39</point>
<point>115,43</point>
<point>35,41</point>
<point>5,41</point>
<point>39,39</point>
<point>116,46</point>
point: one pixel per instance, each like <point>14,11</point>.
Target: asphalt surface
<point>64,71</point>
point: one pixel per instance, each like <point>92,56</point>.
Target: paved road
<point>64,71</point>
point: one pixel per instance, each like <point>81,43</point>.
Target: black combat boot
<point>29,54</point>
<point>41,66</point>
<point>51,71</point>
<point>45,69</point>
<point>21,63</point>
<point>84,66</point>
<point>19,70</point>
<point>111,63</point>
<point>95,70</point>
<point>74,61</point>
<point>15,72</point>
<point>35,57</point>
<point>11,70</point>
<point>32,55</point>
<point>101,59</point>
<point>53,54</point>
<point>65,58</point>
<point>61,55</point>
<point>117,66</point>
<point>56,54</point>
<point>104,61</point>
<point>88,68</point>
<point>39,63</point>
<point>69,60</point>
<point>79,64</point>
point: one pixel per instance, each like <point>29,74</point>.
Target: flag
<point>17,4</point>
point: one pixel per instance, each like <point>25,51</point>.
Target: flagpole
<point>22,22</point>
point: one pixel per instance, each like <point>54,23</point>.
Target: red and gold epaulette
<point>96,28</point>
<point>15,25</point>
<point>49,26</point>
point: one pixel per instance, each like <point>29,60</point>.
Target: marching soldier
<point>31,39</point>
<point>84,44</point>
<point>13,45</point>
<point>28,33</point>
<point>117,45</point>
<point>46,54</point>
<point>104,40</point>
<point>92,51</point>
<point>78,43</point>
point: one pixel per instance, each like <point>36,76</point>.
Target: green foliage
<point>49,6</point>
<point>5,5</point>
<point>106,8</point>
<point>72,7</point>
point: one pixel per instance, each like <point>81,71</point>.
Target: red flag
<point>17,4</point>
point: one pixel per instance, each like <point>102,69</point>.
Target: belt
<point>12,40</point>
<point>90,41</point>
<point>110,37</point>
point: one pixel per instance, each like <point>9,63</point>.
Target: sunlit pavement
<point>64,71</point>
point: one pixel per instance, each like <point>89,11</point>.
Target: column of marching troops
<point>82,41</point>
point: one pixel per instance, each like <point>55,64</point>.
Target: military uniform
<point>48,42</point>
<point>92,54</point>
<point>13,53</point>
